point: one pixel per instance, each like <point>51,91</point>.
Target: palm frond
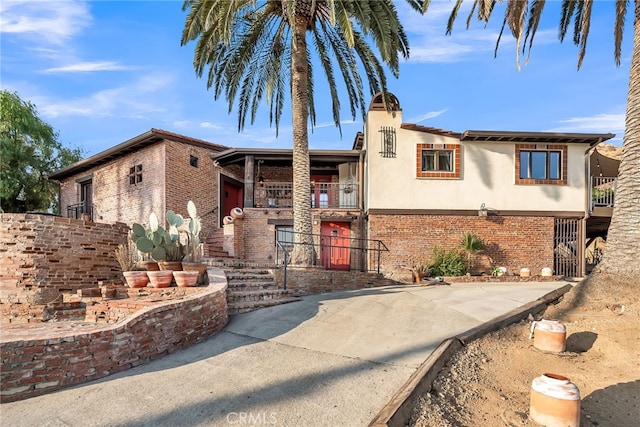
<point>621,13</point>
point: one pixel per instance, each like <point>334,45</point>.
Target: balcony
<point>78,210</point>
<point>602,195</point>
<point>324,195</point>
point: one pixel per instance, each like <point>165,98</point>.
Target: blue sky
<point>101,72</point>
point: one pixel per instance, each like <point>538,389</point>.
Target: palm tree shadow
<point>581,342</point>
<point>615,405</point>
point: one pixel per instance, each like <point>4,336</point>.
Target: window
<point>438,161</point>
<point>541,164</point>
<point>284,235</point>
<point>193,161</point>
<point>387,141</point>
<point>135,175</point>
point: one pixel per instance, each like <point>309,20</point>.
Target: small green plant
<point>471,245</point>
<point>447,262</point>
<point>156,241</point>
<point>193,247</point>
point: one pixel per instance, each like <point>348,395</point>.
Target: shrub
<point>447,263</point>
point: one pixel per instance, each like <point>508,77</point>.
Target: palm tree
<point>618,275</point>
<point>259,49</point>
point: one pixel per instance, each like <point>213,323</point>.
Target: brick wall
<point>317,280</point>
<point>258,237</point>
<point>185,182</point>
<point>34,366</point>
<point>114,198</point>
<point>42,255</point>
<point>510,241</point>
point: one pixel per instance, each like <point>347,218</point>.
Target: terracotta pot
<point>160,279</point>
<point>149,265</point>
<point>186,279</point>
<point>170,265</point>
<point>555,401</point>
<point>237,213</point>
<point>200,267</point>
<point>227,220</point>
<point>549,335</point>
<point>525,272</point>
<point>136,279</point>
<point>546,272</point>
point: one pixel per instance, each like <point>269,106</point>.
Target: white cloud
<point>599,123</point>
<point>45,21</point>
<point>332,124</point>
<point>135,99</point>
<point>428,115</point>
<point>87,67</point>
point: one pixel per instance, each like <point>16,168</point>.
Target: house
<point>525,194</point>
<point>152,172</point>
<point>401,191</point>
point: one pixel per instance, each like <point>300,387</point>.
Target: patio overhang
<point>535,137</point>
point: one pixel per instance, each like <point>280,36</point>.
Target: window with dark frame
<point>437,161</point>
<point>541,164</point>
<point>284,235</point>
<point>387,141</point>
<point>135,174</point>
<point>193,161</point>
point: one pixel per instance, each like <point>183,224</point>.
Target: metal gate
<point>567,248</point>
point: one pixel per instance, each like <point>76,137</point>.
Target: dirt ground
<point>488,383</point>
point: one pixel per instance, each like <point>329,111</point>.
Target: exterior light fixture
<point>483,211</point>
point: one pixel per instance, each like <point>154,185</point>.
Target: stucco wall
<point>487,175</point>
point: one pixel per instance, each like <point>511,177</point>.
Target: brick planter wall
<point>34,365</point>
<point>43,255</point>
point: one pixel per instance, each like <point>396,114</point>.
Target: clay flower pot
<point>200,267</point>
<point>160,279</point>
<point>555,401</point>
<point>136,279</point>
<point>549,335</point>
<point>170,265</point>
<point>149,265</point>
<point>186,278</point>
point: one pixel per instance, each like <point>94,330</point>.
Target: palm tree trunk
<point>623,241</point>
<point>303,253</point>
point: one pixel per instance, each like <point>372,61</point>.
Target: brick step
<point>257,295</point>
<point>244,307</point>
<point>252,286</point>
<point>248,277</point>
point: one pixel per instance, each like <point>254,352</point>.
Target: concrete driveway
<point>328,360</point>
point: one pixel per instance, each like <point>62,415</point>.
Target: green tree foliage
<point>29,151</point>
<point>262,50</point>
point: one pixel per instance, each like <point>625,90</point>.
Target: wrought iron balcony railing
<point>79,209</point>
<point>324,195</point>
<point>602,191</point>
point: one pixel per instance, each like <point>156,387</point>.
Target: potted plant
<point>162,245</point>
<point>193,248</point>
<point>135,276</point>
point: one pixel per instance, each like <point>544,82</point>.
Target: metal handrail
<point>77,210</point>
<point>285,261</point>
<point>365,246</point>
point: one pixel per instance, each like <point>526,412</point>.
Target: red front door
<point>231,198</point>
<point>334,245</point>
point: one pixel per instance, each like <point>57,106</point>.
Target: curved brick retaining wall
<point>47,359</point>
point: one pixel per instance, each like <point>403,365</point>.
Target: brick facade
<point>114,198</point>
<point>510,241</point>
<point>257,230</point>
<point>42,255</point>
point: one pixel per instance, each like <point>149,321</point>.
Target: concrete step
<point>244,306</point>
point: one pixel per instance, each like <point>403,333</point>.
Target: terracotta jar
<point>186,278</point>
<point>160,279</point>
<point>227,220</point>
<point>136,279</point>
<point>549,335</point>
<point>555,401</point>
<point>237,213</point>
